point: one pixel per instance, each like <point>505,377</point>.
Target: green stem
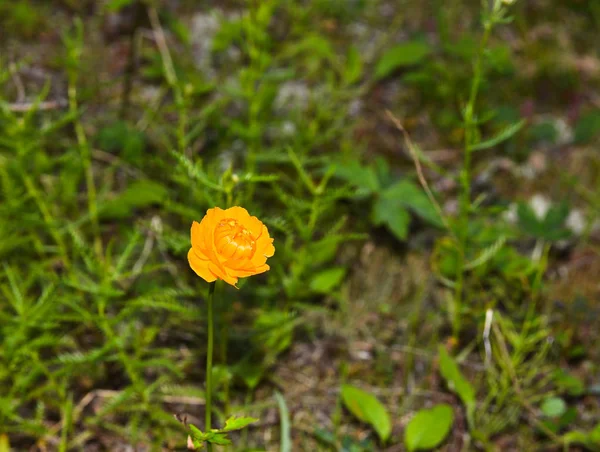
<point>465,201</point>
<point>209,359</point>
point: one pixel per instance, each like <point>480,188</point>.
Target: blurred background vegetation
<point>430,173</point>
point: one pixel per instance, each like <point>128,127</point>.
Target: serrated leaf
<point>196,432</point>
<point>401,55</point>
<point>368,409</point>
<point>218,438</point>
<point>393,215</point>
<point>238,423</point>
<point>428,428</point>
<point>550,228</point>
<point>457,383</point>
<point>361,176</point>
<point>327,280</point>
<point>414,198</point>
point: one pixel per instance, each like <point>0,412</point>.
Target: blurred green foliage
<point>110,154</point>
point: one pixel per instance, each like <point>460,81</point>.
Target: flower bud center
<point>233,240</point>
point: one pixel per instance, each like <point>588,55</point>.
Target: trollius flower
<point>229,244</point>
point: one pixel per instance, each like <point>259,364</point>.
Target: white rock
<point>203,29</point>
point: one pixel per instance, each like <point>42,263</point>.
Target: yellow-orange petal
<point>221,274</point>
<point>200,266</point>
<point>243,273</point>
<point>252,224</point>
<point>264,245</point>
<point>204,234</point>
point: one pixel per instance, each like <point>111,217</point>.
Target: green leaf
<point>503,135</point>
<point>550,228</point>
<point>122,139</point>
<point>556,216</point>
<point>393,215</point>
<point>140,194</point>
<point>354,66</point>
<point>251,371</point>
<point>553,407</point>
<point>284,416</point>
<point>116,5</point>
<point>401,55</point>
<point>568,383</point>
<point>587,128</point>
<point>325,281</point>
<point>428,428</point>
<point>414,198</point>
<point>238,423</point>
<point>528,220</point>
<point>359,175</point>
<point>368,409</point>
<point>218,438</point>
<point>457,383</point>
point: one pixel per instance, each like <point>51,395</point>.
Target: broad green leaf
<point>393,215</point>
<point>368,409</point>
<point>323,250</point>
<point>428,428</point>
<point>556,216</point>
<point>238,423</point>
<point>551,227</point>
<point>457,383</point>
<point>503,135</point>
<point>411,196</point>
<point>528,220</point>
<point>401,55</point>
<point>218,438</point>
<point>327,280</point>
<point>361,176</point>
<point>553,407</point>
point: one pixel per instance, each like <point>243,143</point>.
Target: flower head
<point>229,244</point>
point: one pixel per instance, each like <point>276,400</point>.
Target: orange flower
<point>229,244</point>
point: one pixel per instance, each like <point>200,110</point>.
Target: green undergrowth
<point>107,158</point>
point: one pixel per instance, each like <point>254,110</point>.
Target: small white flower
<point>510,214</point>
<point>576,222</point>
<point>540,205</point>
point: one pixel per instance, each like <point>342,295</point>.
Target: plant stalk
<point>209,360</point>
<point>465,201</point>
